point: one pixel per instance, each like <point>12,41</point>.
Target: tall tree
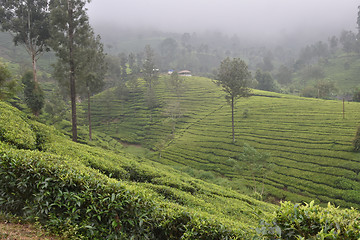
<point>234,78</point>
<point>150,75</point>
<point>114,70</point>
<point>34,96</point>
<point>28,22</point>
<point>348,41</point>
<point>123,60</point>
<point>135,71</point>
<point>70,30</point>
<point>265,81</point>
<point>177,84</point>
<point>92,68</point>
<point>168,49</point>
<point>284,75</point>
<point>267,64</point>
<point>150,72</point>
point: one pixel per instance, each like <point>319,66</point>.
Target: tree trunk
<point>33,58</point>
<point>31,47</point>
<point>232,118</point>
<point>89,115</point>
<point>72,72</point>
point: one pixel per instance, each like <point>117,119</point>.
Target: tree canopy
<point>234,78</point>
<point>8,85</point>
<point>28,22</point>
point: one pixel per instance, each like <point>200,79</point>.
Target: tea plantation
<point>78,190</point>
<point>309,140</point>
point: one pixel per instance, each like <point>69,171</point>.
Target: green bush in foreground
<point>310,221</point>
<point>78,202</point>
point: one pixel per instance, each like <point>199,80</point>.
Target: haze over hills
<point>261,22</point>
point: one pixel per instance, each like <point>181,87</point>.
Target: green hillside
<point>308,139</point>
<point>344,70</point>
<point>100,194</point>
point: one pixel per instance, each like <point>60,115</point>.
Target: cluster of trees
<point>125,69</point>
<point>307,67</point>
<point>63,26</point>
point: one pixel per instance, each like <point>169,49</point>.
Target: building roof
<point>184,71</point>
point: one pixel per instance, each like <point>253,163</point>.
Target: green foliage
<point>234,78</point>
<point>326,89</point>
<point>313,72</point>
<point>284,75</point>
<point>150,75</point>
<point>14,130</point>
<point>8,85</point>
<point>55,107</point>
<point>322,89</point>
<point>310,221</point>
<point>34,96</point>
<point>309,91</point>
<point>28,21</point>
<point>254,162</point>
<point>356,95</point>
<point>356,140</point>
<point>92,67</point>
<point>348,41</point>
<point>265,81</point>
<point>176,84</point>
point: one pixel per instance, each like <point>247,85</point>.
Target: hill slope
<point>78,189</point>
<point>308,139</point>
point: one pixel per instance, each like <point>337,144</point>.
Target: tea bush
<point>310,221</point>
<point>14,129</point>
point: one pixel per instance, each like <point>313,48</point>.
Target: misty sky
<point>256,18</point>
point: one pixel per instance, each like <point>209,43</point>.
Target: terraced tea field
<point>308,139</point>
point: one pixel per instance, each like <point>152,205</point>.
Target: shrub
<point>14,129</point>
<point>34,96</point>
<point>310,221</point>
<point>356,141</point>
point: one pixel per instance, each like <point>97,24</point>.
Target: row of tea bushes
<point>87,192</point>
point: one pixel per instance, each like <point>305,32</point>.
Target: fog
<point>261,20</point>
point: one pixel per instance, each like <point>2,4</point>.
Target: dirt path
<point>11,231</point>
